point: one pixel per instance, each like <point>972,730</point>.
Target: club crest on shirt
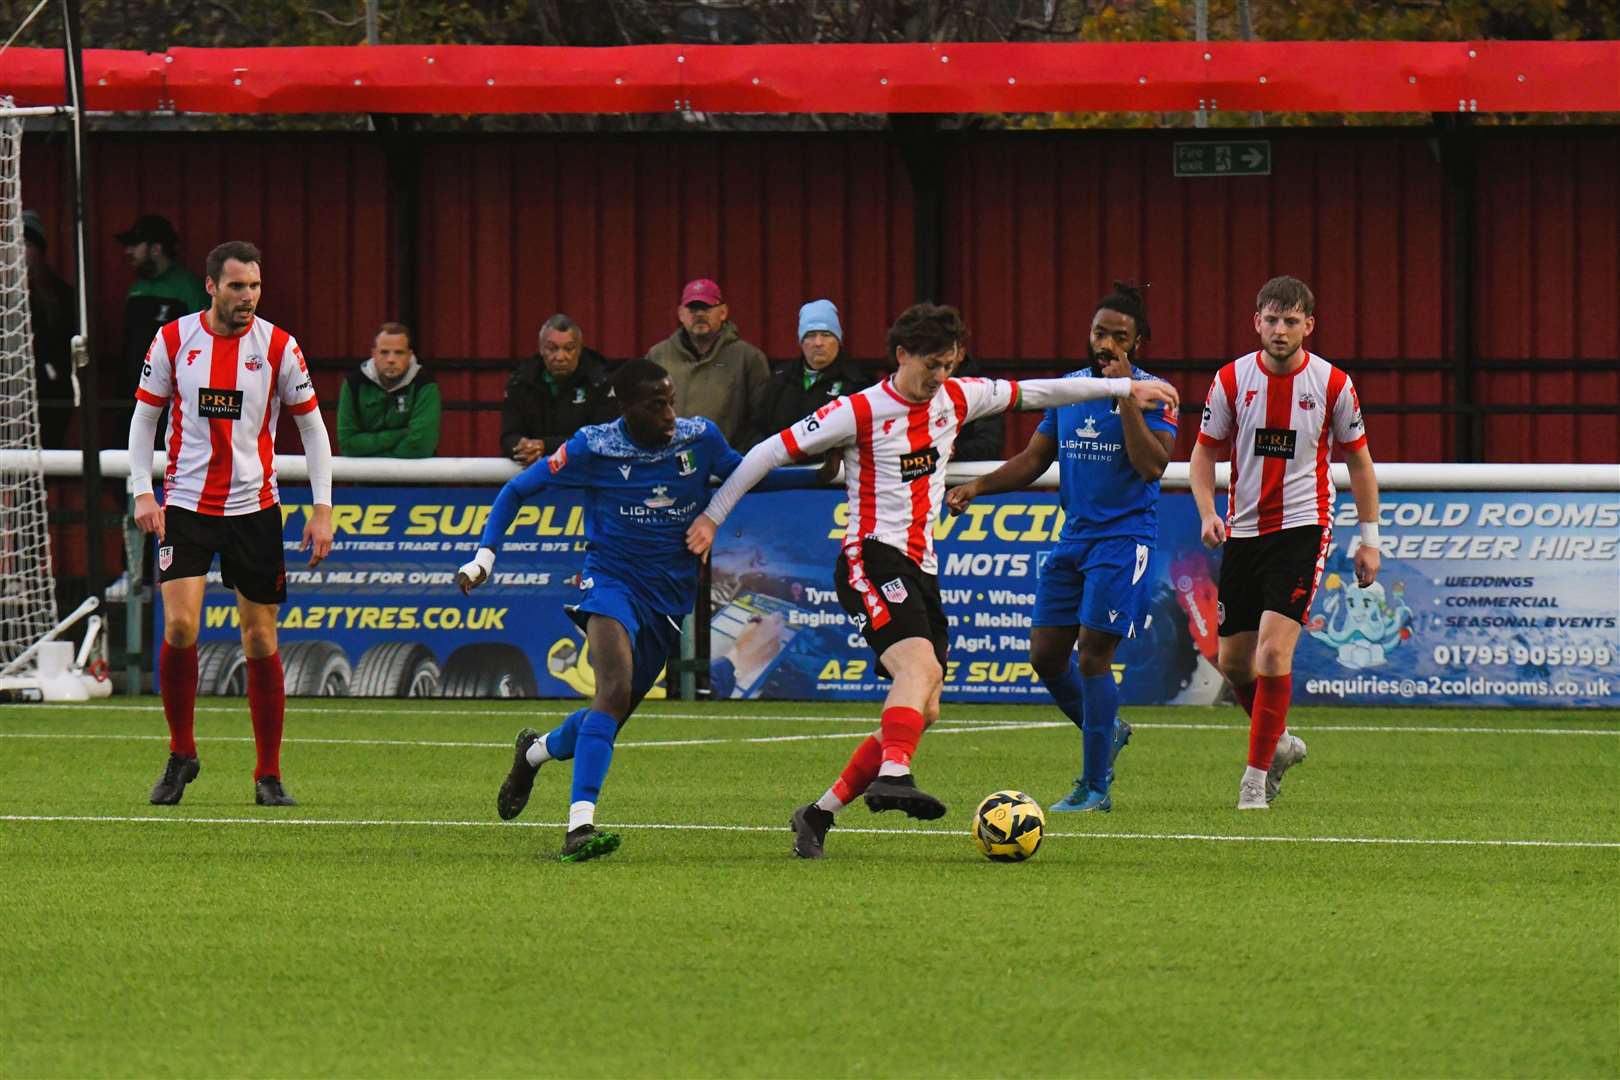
<point>919,463</point>
<point>165,557</point>
<point>687,461</point>
<point>895,591</point>
<point>254,362</point>
<point>1307,400</point>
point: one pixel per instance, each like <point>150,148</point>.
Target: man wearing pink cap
<point>716,373</point>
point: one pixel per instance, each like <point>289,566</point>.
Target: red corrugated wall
<point>607,228</point>
<point>1548,276</point>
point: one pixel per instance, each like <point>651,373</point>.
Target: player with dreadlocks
<point>1095,586</point>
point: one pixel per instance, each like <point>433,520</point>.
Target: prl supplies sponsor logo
<point>215,404</point>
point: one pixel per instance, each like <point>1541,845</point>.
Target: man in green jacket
<point>163,291</point>
<point>390,404</point>
<point>716,373</point>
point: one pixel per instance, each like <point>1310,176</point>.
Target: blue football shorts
<point>654,635</point>
<point>1102,585</point>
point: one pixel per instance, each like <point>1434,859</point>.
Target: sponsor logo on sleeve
<point>556,461</point>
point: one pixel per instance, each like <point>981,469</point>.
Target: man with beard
<point>163,289</point>
<point>716,374</point>
<point>1094,587</point>
<point>1276,414</point>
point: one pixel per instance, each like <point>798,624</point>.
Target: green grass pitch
<point>1434,894</point>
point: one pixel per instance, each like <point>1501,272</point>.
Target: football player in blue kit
<point>1095,587</point>
<point>647,476</point>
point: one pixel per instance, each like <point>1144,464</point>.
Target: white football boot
<point>1252,795</point>
<point>1291,751</point>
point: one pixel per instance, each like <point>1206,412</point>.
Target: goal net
<point>27,588</point>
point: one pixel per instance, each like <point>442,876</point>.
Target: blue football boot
<point>1082,799</point>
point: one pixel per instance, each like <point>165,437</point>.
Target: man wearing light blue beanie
<point>822,373</point>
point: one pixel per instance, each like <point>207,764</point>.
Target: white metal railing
<point>1392,476</point>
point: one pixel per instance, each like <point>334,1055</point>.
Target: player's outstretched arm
<point>753,468</point>
<point>1050,393</point>
<point>317,538</point>
<point>1014,474</point>
<point>1364,486</point>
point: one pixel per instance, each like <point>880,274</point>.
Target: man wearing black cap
<point>163,290</point>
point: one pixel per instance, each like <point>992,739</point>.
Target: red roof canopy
<point>1304,76</point>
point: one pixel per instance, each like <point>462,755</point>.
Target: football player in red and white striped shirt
<point>896,439</point>
<point>225,376</point>
<point>1277,414</point>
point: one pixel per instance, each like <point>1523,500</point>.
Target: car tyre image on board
<point>396,669</point>
<point>221,669</point>
<point>489,670</point>
<point>315,669</point>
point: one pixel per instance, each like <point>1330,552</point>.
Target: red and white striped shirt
<point>1281,429</point>
<point>225,396</point>
<point>895,453</point>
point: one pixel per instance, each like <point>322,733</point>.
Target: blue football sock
<point>1097,733</point>
<point>1065,690</point>
<point>560,739</point>
<point>593,755</point>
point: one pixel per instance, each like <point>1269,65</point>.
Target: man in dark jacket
<point>53,307</point>
<point>822,374</point>
<point>390,405</point>
<point>555,393</point>
<point>985,439</point>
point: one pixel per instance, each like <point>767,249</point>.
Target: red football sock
<point>860,772</point>
<point>901,728</point>
<point>267,705</point>
<point>1270,718</point>
<point>177,682</point>
<point>1245,697</point>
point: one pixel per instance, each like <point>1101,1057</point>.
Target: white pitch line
<point>944,722</point>
<point>507,745</point>
<point>1401,841</point>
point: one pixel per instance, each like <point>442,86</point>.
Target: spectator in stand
<point>555,393</point>
<point>715,372</point>
<point>163,291</point>
<point>53,309</point>
<point>822,374</point>
<point>984,439</point>
<point>389,406</point>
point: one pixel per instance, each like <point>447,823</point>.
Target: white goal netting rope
<point>27,587</point>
